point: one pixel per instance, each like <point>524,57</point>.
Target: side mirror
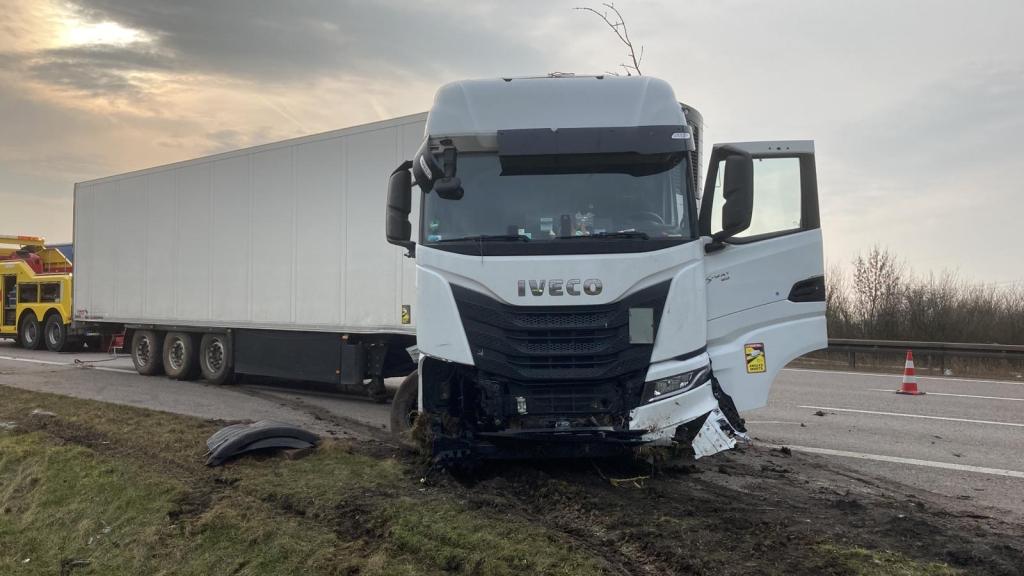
<point>738,193</point>
<point>449,188</point>
<point>432,175</point>
<point>397,226</point>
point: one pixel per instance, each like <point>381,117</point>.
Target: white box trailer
<point>279,249</point>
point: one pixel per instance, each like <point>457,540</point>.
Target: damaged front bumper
<point>702,417</point>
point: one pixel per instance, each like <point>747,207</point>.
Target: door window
<point>50,292</point>
<point>776,197</point>
<point>10,299</point>
<point>28,293</point>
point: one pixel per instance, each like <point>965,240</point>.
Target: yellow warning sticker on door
<point>406,314</point>
<point>754,354</point>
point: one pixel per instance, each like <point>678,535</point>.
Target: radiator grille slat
<point>570,343</point>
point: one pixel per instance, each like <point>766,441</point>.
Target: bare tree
<point>883,298</point>
<point>618,26</point>
<point>838,309</point>
<point>878,283</point>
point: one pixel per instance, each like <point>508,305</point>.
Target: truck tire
<point>147,348</point>
<point>215,360</point>
<point>30,332</point>
<point>405,406</point>
<point>55,334</point>
<point>180,356</point>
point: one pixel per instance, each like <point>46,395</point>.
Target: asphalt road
<point>963,439</point>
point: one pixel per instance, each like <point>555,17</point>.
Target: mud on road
<point>752,511</point>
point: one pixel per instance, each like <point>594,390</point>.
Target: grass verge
<point>94,488</point>
<point>103,489</point>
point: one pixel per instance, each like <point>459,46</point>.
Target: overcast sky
<point>916,107</point>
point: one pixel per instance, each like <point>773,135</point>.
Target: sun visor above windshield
<point>602,140</point>
<point>636,150</point>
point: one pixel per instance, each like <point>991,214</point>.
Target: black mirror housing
<point>738,209</point>
<point>449,188</point>
<point>397,226</point>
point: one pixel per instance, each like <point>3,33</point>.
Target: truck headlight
<point>672,385</point>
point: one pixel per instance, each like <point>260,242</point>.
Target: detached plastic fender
<point>236,439</point>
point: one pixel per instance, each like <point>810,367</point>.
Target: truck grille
<point>551,344</point>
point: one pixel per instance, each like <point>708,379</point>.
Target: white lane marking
<point>900,375</point>
<point>34,361</point>
<point>109,369</point>
<point>53,363</point>
<point>957,395</point>
<point>913,461</point>
<point>770,422</point>
<point>913,416</point>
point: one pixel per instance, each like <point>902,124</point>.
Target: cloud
<point>288,41</point>
<point>97,70</point>
<point>914,106</point>
<point>933,174</point>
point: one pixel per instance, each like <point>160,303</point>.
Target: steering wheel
<point>646,217</point>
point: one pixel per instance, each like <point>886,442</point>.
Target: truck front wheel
<point>181,359</point>
<point>215,358</point>
<point>147,346</point>
<point>30,332</point>
<point>56,334</point>
<point>405,406</point>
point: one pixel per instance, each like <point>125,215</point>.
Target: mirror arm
<point>404,166</point>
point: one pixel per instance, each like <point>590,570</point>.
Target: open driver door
<point>764,266</point>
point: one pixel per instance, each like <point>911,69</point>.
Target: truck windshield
<point>555,208</point>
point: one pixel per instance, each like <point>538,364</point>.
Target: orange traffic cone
<point>909,379</point>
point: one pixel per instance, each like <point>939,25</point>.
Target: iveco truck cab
<point>576,291</point>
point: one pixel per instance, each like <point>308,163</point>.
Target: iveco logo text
<point>572,287</point>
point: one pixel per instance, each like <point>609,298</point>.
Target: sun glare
<point>77,32</point>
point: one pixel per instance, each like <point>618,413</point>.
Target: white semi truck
<point>563,292</point>
<point>572,297</point>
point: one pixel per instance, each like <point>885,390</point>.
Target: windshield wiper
<point>483,237</point>
<point>622,234</point>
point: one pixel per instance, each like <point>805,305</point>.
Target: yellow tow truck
<point>36,282</point>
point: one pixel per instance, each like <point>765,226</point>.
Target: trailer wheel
<point>215,359</point>
<point>405,406</point>
<point>56,333</point>
<point>147,346</point>
<point>30,332</point>
<point>180,356</point>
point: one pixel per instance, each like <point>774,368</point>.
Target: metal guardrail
<point>930,350</point>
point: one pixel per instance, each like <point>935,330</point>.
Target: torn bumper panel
<point>659,417</point>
